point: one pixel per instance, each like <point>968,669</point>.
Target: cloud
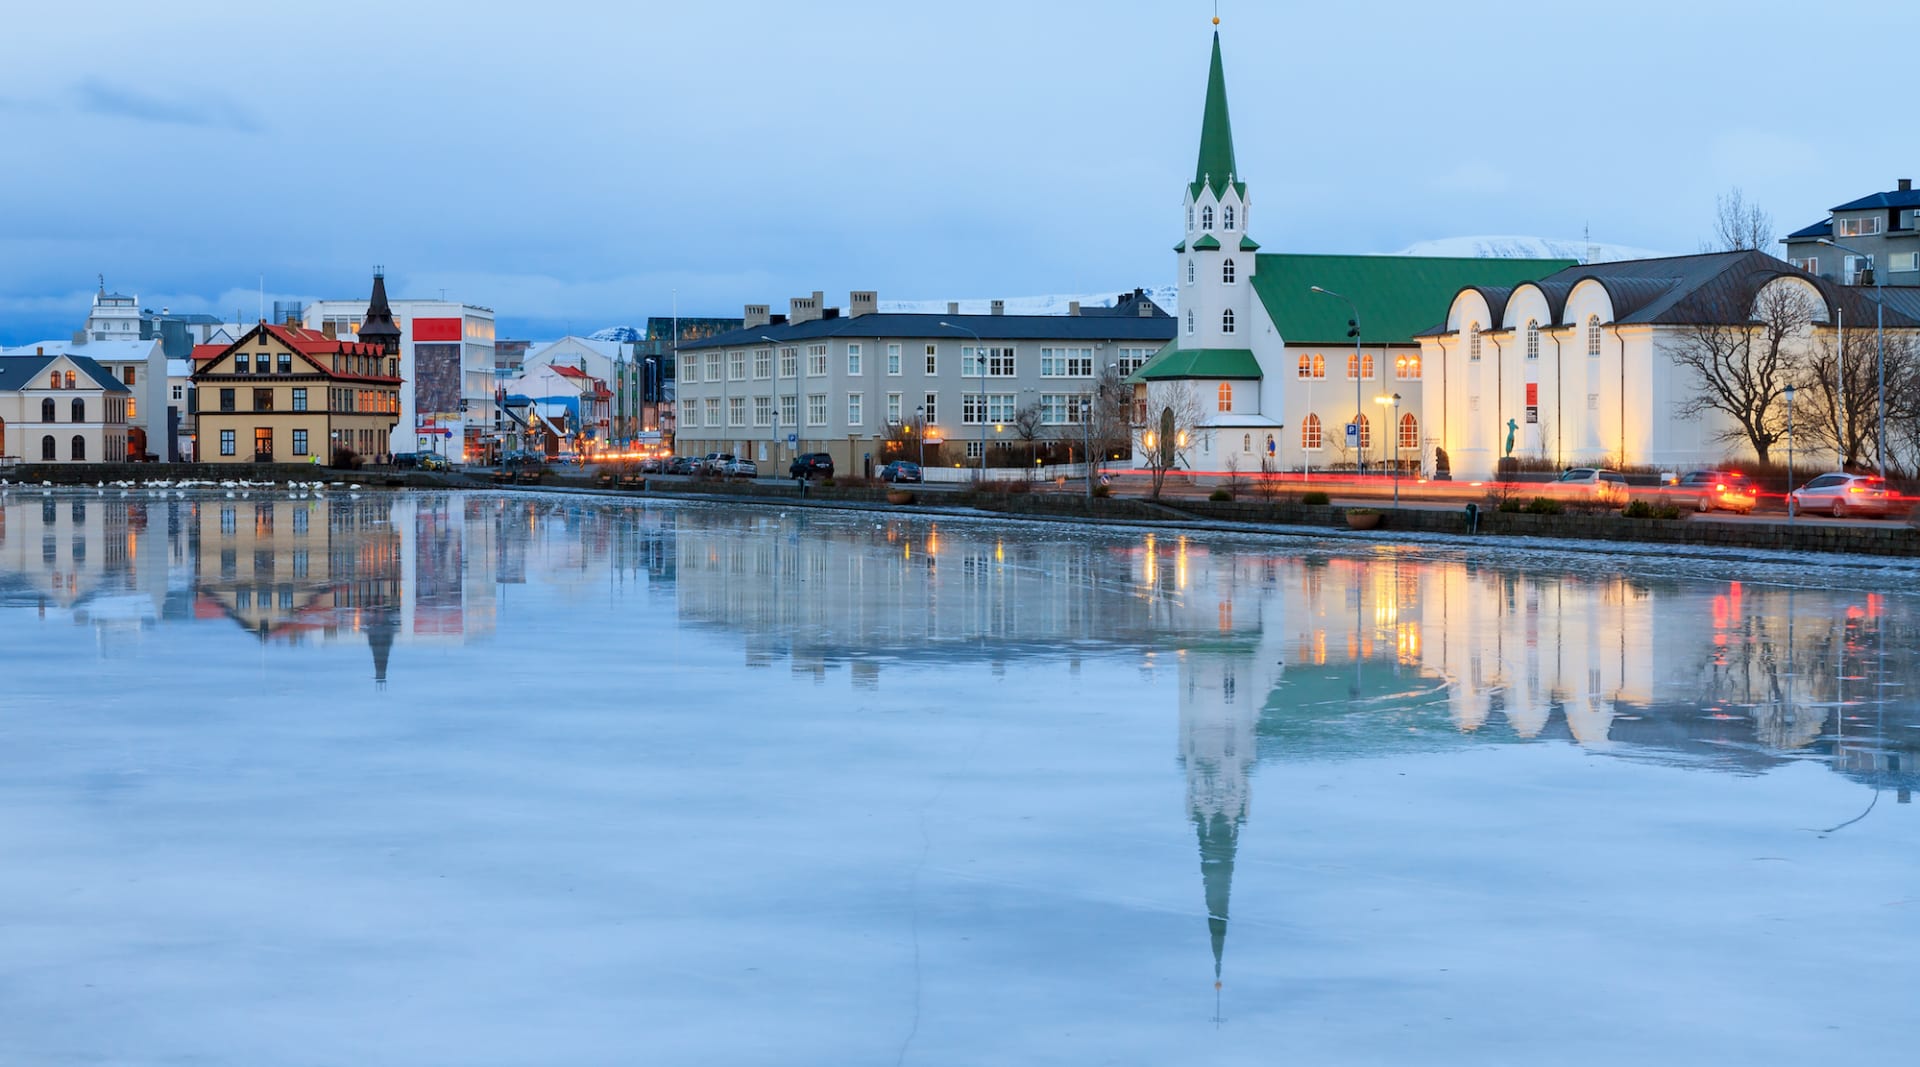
<point>207,109</point>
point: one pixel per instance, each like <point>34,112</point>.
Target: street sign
<point>793,439</point>
<point>1353,435</point>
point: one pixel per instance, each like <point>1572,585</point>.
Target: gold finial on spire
<point>1216,20</point>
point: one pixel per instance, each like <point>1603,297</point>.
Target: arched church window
<point>1226,321</point>
<point>1189,320</point>
<point>1533,339</point>
<point>1226,217</point>
<point>1310,433</point>
<point>1190,272</point>
<point>1225,396</point>
<point>1473,341</point>
<point>1593,337</point>
<point>1206,217</point>
<point>1226,270</point>
<point>1189,218</point>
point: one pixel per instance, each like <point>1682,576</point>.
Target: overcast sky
<point>571,164</point>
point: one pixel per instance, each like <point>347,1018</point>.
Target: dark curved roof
<point>1496,297</point>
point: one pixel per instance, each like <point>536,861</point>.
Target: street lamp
<point>1880,328</point>
<point>1353,331</point>
<point>1393,428</point>
<point>920,431</point>
<point>1789,393</point>
<point>980,358</point>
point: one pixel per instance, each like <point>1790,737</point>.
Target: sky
<point>575,165</point>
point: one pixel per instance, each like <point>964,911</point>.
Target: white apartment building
<point>446,356</point>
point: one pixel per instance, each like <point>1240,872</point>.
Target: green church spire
<point>1216,166</point>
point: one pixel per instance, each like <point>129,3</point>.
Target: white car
<point>1590,483</point>
<point>741,468</point>
<point>1839,495</point>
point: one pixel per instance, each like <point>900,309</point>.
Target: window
<point>242,364</point>
<point>53,382</point>
<point>1903,262</point>
<point>816,409</point>
<point>286,364</point>
<point>127,375</point>
<point>1366,432</point>
<point>1310,433</point>
<point>976,449</point>
<point>762,364</point>
<point>1189,320</point>
<point>1224,396</point>
<point>79,409</point>
<point>1593,337</point>
<point>1226,217</point>
<point>46,410</point>
<point>1246,442</point>
<point>1191,272</point>
<point>1189,216</point>
<point>712,407</point>
<point>976,409</point>
<point>893,360</point>
<point>299,400</point>
<point>68,377</point>
<point>853,361</point>
<point>763,411</point>
<point>226,442</point>
<point>1226,271</point>
<point>1360,366</point>
<point>933,361</point>
<point>1132,359</point>
<point>1856,268</point>
<point>1066,363</point>
<point>789,362</point>
<point>855,401</point>
<point>1206,217</point>
<point>931,414</point>
<point>1312,365</point>
<point>263,441</point>
<point>997,362</point>
<point>263,400</point>
<point>1865,227</point>
<point>1226,321</point>
<point>133,408</point>
<point>816,361</point>
<point>1064,409</point>
<point>1473,341</point>
<point>299,449</point>
<point>789,411</point>
<point>893,407</point>
<point>689,413</point>
<point>1409,433</point>
<point>1593,401</point>
<point>47,448</point>
<point>1407,367</point>
<point>1811,264</point>
<point>179,392</point>
<point>712,365</point>
<point>736,366</point>
<point>1533,339</point>
<point>736,411</point>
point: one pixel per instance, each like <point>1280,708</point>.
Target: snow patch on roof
<point>1522,247</point>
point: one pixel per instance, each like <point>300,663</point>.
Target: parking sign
<point>1353,435</point>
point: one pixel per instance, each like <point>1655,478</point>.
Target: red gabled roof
<point>565,371</point>
<point>202,353</point>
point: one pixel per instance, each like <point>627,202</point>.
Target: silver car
<point>741,468</point>
<point>1840,495</point>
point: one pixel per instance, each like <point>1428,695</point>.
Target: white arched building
<point>1580,367</point>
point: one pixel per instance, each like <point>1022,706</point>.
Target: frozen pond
<point>532,779</point>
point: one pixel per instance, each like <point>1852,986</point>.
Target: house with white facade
<point>1284,352</point>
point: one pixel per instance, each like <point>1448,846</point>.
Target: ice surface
<point>526,779</point>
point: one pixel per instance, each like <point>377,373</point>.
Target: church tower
<point>1216,258</point>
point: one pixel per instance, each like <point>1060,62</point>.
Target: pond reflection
<point>1262,668</point>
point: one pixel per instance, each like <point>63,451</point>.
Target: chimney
<point>953,307</point>
<point>1073,307</point>
<point>862,302</point>
<point>805,308</point>
<point>330,330</point>
<point>39,350</point>
<point>757,315</point>
<point>1906,185</point>
<point>998,307</point>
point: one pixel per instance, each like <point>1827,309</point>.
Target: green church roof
<point>1248,244</point>
<point>1172,363</point>
<point>1206,242</point>
<point>1215,168</point>
<point>1399,297</point>
<point>1181,247</point>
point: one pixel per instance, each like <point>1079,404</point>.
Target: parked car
<point>715,463</point>
<point>683,465</point>
<point>406,460</point>
<point>653,465</point>
<point>901,470</point>
<point>519,458</point>
<point>1708,490</point>
<point>1590,483</point>
<point>1839,494</point>
<point>810,464</point>
<point>434,461</point>
<point>741,468</point>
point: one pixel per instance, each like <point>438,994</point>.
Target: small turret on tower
<point>378,327</point>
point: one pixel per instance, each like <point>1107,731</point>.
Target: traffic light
<point>1353,327</point>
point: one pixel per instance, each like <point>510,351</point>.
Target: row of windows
<point>1313,436</point>
<point>1228,272</point>
<point>1226,321</point>
<point>263,441</point>
<point>1206,217</point>
<point>1001,362</point>
<point>1532,336</point>
<point>1406,367</point>
<point>1056,409</point>
<point>77,448</point>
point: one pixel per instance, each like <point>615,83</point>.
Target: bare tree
<point>1173,423</point>
<point>1744,363</point>
<point>1027,422</point>
<point>1839,400</point>
<point>1739,226</point>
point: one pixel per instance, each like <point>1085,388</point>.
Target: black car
<point>810,464</point>
<point>683,465</point>
<point>901,470</point>
<point>406,460</point>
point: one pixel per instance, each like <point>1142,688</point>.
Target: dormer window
<point>1868,226</point>
<point>1206,217</point>
<point>1226,217</point>
<point>1226,269</point>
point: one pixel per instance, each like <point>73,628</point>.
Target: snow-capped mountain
<point>622,334</point>
<point>1517,247</point>
<point>1163,295</point>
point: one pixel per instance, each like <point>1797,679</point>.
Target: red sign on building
<point>436,329</point>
